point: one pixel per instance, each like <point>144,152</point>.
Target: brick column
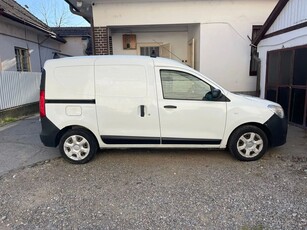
<point>101,41</point>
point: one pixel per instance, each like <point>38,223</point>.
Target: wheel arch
<point>258,125</point>
<point>64,130</point>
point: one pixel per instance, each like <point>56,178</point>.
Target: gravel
<point>161,189</point>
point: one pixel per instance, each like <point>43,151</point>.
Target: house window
<point>253,68</point>
<point>22,59</point>
<point>148,50</point>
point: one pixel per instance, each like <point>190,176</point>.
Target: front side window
<point>22,59</point>
<point>182,86</point>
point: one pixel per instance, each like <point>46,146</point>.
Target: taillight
<point>42,109</point>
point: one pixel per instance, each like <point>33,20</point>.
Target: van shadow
<point>164,153</point>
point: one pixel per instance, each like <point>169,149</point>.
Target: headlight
<point>277,109</point>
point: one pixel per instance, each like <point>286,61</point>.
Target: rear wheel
<point>78,146</point>
<point>248,143</point>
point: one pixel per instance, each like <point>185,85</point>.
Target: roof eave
<point>268,23</point>
<point>77,11</point>
<point>50,33</point>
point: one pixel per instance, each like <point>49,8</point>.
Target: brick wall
<point>101,41</point>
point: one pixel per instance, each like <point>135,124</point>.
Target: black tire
<point>248,143</point>
<point>78,146</point>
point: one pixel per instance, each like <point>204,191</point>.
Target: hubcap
<point>76,147</point>
<point>250,144</point>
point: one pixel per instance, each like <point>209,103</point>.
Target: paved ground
<point>153,189</point>
<point>20,145</point>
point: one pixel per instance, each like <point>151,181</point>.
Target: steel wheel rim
<point>76,147</point>
<point>250,144</point>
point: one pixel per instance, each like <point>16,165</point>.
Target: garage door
<point>286,82</point>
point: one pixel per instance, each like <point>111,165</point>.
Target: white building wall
<point>228,62</point>
<point>12,35</point>
<point>7,47</point>
<point>295,12</point>
<point>47,50</point>
<point>8,27</point>
<point>194,33</point>
<point>287,40</point>
<point>223,50</point>
<point>74,46</point>
<point>176,39</point>
<point>181,12</point>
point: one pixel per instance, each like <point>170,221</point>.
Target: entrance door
<point>185,118</point>
<point>286,82</point>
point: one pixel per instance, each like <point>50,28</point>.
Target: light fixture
<point>79,3</point>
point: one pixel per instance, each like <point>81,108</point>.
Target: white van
<point>95,102</point>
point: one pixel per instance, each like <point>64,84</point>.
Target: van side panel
<point>71,82</point>
<point>70,94</point>
<point>126,104</point>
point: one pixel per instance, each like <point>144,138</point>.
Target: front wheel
<point>248,143</point>
<point>78,146</point>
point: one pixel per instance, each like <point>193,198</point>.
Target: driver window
<point>182,86</point>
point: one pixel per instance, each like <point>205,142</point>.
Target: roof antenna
<point>153,53</point>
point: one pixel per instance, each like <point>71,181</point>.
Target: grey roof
<point>72,31</point>
<point>12,10</point>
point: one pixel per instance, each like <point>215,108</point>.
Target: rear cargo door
<point>126,104</point>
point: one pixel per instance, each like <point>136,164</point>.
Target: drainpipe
<point>258,60</point>
<point>39,49</point>
<point>39,53</point>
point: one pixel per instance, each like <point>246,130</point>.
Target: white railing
<point>18,88</point>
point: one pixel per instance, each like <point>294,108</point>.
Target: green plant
<point>7,120</point>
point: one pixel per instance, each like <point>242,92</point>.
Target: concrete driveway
<point>20,145</point>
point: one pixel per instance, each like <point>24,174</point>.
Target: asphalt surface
<point>151,188</point>
<point>20,145</point>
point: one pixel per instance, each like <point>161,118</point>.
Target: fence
<point>18,88</point>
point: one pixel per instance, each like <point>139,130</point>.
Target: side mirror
<point>212,95</point>
<point>216,93</point>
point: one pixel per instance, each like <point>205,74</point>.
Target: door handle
<point>142,108</point>
<point>170,106</point>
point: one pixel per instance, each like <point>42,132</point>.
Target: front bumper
<point>277,128</point>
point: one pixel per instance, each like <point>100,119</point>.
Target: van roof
<point>117,59</point>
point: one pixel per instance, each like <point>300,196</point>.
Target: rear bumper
<point>49,133</point>
<point>278,129</point>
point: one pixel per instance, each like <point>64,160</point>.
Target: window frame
<point>179,71</point>
<point>22,57</point>
<point>147,45</point>
<point>253,65</point>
